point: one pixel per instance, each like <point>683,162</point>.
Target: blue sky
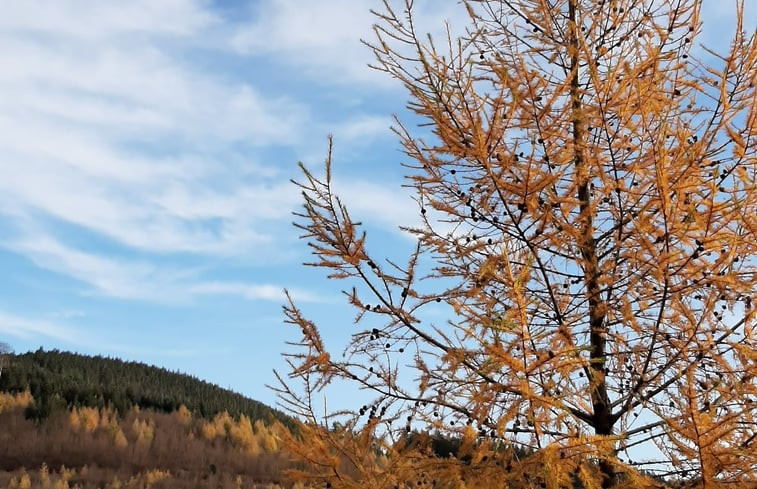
<point>147,149</point>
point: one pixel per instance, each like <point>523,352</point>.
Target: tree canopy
<point>589,211</point>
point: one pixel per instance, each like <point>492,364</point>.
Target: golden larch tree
<point>589,217</point>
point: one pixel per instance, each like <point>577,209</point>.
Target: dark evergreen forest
<point>61,380</point>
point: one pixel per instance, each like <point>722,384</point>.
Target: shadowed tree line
<point>62,380</point>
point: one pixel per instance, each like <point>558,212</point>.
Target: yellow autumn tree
<point>589,219</point>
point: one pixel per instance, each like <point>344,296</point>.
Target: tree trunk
<point>602,418</point>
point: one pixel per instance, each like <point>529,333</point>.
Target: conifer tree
<point>589,211</point>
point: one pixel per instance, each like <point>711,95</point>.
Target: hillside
<point>88,448</point>
<point>62,380</point>
<point>75,421</point>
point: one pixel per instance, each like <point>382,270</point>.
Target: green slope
<point>62,379</point>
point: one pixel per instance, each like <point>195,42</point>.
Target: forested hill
<point>61,380</point>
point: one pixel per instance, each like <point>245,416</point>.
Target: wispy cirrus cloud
<point>324,38</point>
<point>35,330</point>
<point>131,279</point>
<point>386,206</point>
<point>361,130</point>
<point>126,138</point>
<point>28,328</point>
<point>254,292</point>
<point>106,276</point>
<point>85,20</point>
<point>321,37</point>
<point>106,124</point>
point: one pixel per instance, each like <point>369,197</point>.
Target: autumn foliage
<point>89,447</point>
<point>588,226</point>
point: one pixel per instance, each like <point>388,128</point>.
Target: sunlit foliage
<point>90,447</point>
<point>588,207</point>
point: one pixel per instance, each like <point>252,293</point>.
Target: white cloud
<point>387,205</point>
<point>67,314</point>
<point>32,329</point>
<point>105,127</point>
<point>107,276</point>
<point>141,280</point>
<point>254,292</point>
<point>163,215</point>
<point>363,129</point>
<point>323,37</point>
<point>110,124</point>
<point>26,328</point>
<point>94,21</point>
<point>128,90</point>
<point>265,201</point>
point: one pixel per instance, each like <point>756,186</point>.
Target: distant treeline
<point>63,380</point>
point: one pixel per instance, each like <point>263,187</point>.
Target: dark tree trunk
<point>602,419</point>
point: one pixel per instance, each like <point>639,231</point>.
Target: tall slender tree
<point>589,209</point>
<point>5,350</point>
